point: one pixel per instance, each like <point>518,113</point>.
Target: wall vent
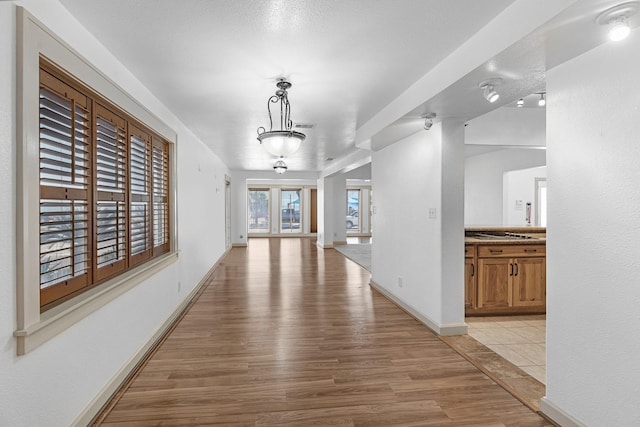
<point>303,125</point>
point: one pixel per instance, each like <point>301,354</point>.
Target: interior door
<point>314,211</point>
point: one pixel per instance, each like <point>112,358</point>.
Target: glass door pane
<point>290,211</point>
<point>258,211</point>
<point>353,211</point>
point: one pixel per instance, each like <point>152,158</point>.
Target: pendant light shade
<point>284,141</point>
<point>280,167</point>
<point>281,143</point>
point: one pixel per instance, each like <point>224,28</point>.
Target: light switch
<point>432,213</point>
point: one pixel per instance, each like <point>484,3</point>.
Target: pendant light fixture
<point>283,141</point>
<point>280,166</point>
<point>616,18</point>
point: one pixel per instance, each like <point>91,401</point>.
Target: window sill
<point>54,321</point>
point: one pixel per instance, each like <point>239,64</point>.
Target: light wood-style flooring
<point>288,334</point>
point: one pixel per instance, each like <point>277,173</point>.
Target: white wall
<point>409,179</point>
<point>593,236</point>
<point>508,126</point>
<point>54,383</point>
<point>332,205</point>
<point>483,188</point>
<point>520,189</point>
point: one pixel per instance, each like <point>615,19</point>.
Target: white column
<point>452,223</point>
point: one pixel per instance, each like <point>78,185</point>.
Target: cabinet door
<point>469,283</point>
<point>494,279</point>
<point>529,282</point>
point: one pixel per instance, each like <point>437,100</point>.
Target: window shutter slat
<point>160,197</point>
<point>60,223</point>
<point>139,188</point>
<point>63,221</point>
<point>111,161</point>
<point>111,210</point>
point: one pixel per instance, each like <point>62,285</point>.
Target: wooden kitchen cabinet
<point>470,275</point>
<point>511,279</point>
<point>529,282</point>
<point>494,282</point>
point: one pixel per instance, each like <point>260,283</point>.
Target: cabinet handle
<point>511,272</point>
<point>495,251</point>
<point>517,269</point>
<point>531,250</point>
<point>473,270</point>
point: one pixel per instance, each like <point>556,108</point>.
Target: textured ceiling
<point>214,63</point>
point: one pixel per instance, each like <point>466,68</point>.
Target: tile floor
<point>519,339</point>
<point>358,239</point>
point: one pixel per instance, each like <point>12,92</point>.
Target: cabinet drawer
<point>511,250</point>
<point>469,251</point>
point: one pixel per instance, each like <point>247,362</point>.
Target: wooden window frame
<point>35,326</point>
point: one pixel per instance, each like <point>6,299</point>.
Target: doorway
<point>227,211</point>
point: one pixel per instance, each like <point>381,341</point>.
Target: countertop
<point>518,236</point>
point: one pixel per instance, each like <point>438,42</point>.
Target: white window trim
<point>279,188</point>
<point>365,209</point>
<point>298,233</point>
<point>33,328</point>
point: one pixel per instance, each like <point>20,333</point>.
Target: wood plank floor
<point>288,334</point>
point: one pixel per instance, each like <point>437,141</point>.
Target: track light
<point>489,89</point>
<point>520,103</point>
<point>617,20</point>
<point>428,120</point>
<point>619,30</point>
<point>490,93</point>
<point>542,101</point>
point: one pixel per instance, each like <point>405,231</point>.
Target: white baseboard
<point>557,415</point>
<point>442,330</point>
<point>327,246</point>
<point>107,392</point>
<point>339,243</point>
<point>239,245</point>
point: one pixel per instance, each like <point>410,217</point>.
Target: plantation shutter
<point>104,189</point>
<point>160,196</point>
<point>65,178</point>
<point>140,195</point>
<point>111,203</point>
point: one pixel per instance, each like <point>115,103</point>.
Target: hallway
<point>285,333</point>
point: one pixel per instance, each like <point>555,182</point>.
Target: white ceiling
<point>214,63</point>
